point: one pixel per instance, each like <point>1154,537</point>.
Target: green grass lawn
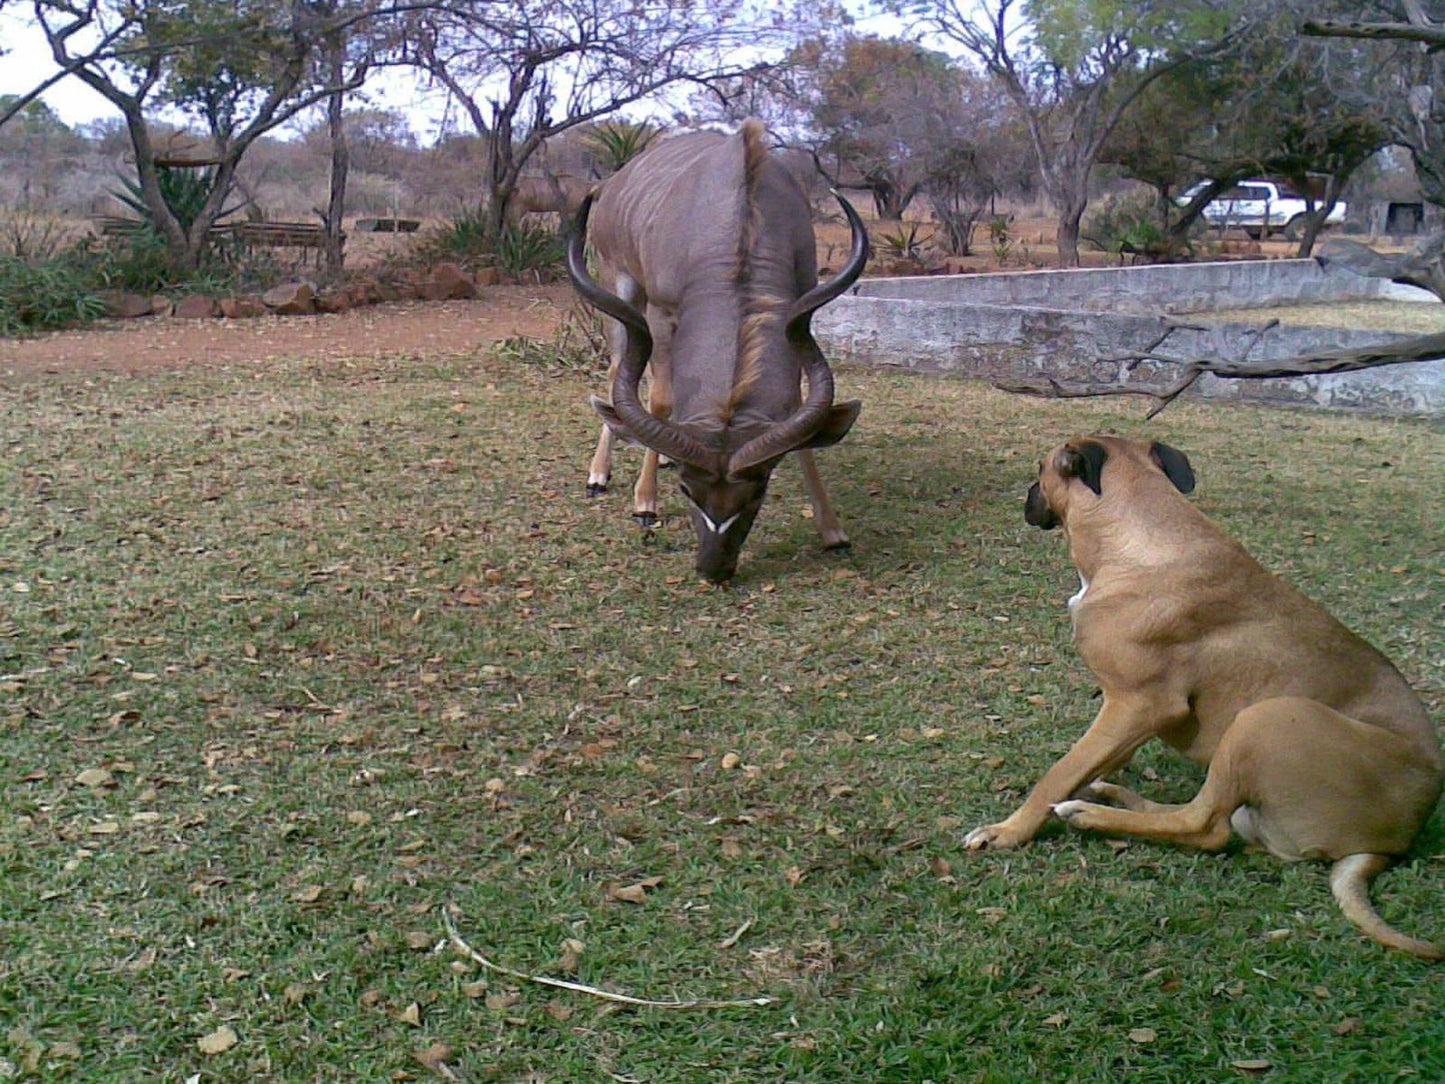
<point>296,656</point>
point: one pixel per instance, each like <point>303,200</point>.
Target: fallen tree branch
<point>576,987</point>
<point>1432,36</point>
<point>1399,352</point>
<point>1422,267</point>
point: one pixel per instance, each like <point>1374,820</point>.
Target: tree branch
<point>1399,352</point>
<point>1433,36</point>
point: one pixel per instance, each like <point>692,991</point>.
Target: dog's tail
<point>1350,879</point>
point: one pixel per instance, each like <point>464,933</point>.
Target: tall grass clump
<point>45,293</point>
<point>520,250</point>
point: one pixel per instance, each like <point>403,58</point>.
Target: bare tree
<point>526,70</point>
<point>102,43</point>
<point>977,150</point>
<point>1072,67</point>
<point>871,106</point>
<point>1414,32</point>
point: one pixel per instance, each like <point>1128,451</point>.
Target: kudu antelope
<point>552,193</point>
<point>708,242</point>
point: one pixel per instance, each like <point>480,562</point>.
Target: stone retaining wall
<point>1063,324</point>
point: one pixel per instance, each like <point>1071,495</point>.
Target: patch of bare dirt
<point>406,327</point>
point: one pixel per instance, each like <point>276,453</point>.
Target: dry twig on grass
<point>607,995</point>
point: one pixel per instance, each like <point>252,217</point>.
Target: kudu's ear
<point>609,415</point>
<point>1174,464</point>
<point>1083,460</point>
<point>836,423</point>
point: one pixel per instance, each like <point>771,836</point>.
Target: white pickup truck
<point>1259,208</point>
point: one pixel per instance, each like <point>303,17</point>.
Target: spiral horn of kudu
<point>656,433</point>
<point>788,434</point>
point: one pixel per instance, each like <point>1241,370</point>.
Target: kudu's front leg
<point>599,473</point>
<point>824,518</point>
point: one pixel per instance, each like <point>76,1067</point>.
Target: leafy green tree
<point>1273,106</point>
<point>242,69</point>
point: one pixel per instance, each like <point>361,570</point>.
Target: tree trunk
<point>340,158</point>
<point>957,223</point>
<point>199,235</point>
<point>888,200</point>
<point>1072,202</point>
<point>1312,226</point>
<point>145,167</point>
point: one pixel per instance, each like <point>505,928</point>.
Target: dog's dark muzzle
<point>1037,512</point>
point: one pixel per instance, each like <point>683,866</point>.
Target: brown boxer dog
<point>1314,745</point>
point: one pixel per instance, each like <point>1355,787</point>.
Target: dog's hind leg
<point>1116,795</point>
<point>1201,823</point>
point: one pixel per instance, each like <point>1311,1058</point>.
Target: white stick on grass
<point>607,995</point>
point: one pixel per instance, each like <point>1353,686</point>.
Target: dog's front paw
<point>994,837</point>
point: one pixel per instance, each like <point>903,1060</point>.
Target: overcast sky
<point>26,63</point>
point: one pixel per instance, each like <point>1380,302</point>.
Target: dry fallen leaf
<point>1347,1025</point>
<point>1057,1020</point>
<point>730,761</point>
<point>296,992</point>
<point>418,940</point>
<point>307,894</point>
<point>633,893</point>
<point>411,1015</point>
<point>1251,1065</point>
<point>218,1041</point>
<point>502,1002</point>
<point>433,1056</point>
<point>1143,1035</point>
<point>474,989</point>
<point>95,777</point>
<point>145,959</point>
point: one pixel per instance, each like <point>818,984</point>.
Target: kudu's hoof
<point>646,520</point>
<point>838,547</point>
<point>596,489</point>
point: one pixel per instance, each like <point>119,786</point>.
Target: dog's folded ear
<point>1174,464</point>
<point>1083,460</point>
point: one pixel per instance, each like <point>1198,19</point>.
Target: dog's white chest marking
<point>1074,600</point>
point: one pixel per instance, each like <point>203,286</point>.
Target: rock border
<point>443,282</point>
